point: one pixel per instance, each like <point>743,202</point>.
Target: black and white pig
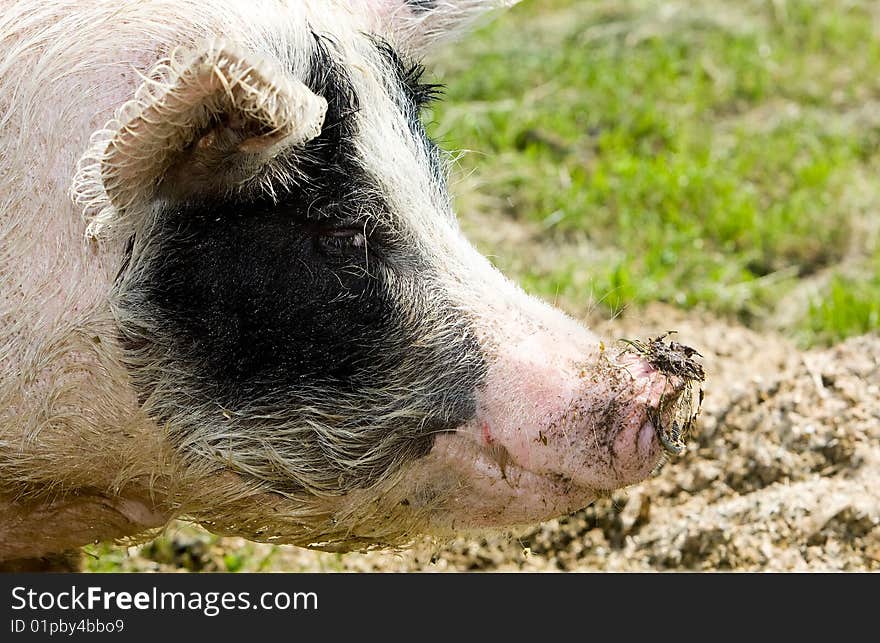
<point>234,290</point>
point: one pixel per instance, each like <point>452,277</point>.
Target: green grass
<point>848,307</point>
<point>707,150</point>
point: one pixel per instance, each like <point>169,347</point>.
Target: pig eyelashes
<point>409,74</point>
<point>420,93</point>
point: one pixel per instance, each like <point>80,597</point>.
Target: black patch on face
<point>313,301</point>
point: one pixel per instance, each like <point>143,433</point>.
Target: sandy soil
<point>782,474</point>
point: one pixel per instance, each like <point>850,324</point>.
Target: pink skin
<point>559,422</point>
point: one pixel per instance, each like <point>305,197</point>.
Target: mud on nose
<point>673,409</point>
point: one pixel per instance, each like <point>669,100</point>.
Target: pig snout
<point>561,419</point>
<point>587,416</point>
<point>591,423</point>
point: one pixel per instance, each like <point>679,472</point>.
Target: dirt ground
<point>783,473</point>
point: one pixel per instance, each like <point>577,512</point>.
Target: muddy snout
<point>555,407</point>
<point>673,377</point>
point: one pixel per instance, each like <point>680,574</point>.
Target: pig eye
<point>340,241</point>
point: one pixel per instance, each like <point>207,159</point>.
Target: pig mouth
<point>499,485</point>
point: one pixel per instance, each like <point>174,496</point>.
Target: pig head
<point>261,314</point>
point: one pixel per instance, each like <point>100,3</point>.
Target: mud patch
<point>673,421</point>
<point>671,358</point>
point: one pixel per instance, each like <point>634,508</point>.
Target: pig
<point>234,291</point>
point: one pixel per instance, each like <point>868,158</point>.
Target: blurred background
<point>708,166</point>
<point>720,155</point>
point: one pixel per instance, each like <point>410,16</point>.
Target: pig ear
<point>206,121</point>
<point>418,25</point>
